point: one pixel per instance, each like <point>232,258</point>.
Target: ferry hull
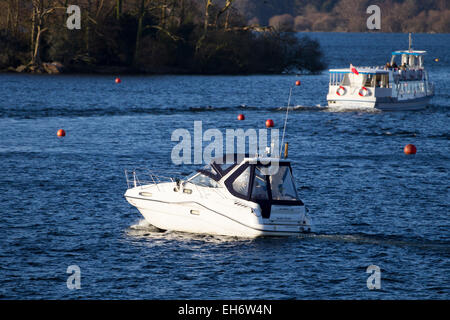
<point>387,104</point>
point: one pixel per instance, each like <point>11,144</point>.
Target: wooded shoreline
<point>148,37</point>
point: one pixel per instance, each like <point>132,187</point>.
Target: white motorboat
<point>392,87</point>
<point>245,197</point>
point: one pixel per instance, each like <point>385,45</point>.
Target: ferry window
<point>412,61</point>
<point>240,184</point>
<point>377,80</point>
<point>204,181</point>
<point>259,191</point>
<point>282,185</point>
<point>368,82</point>
<point>420,61</point>
<point>346,80</point>
<point>385,81</point>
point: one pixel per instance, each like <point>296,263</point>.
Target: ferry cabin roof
<point>407,52</point>
<point>361,70</point>
<point>413,59</point>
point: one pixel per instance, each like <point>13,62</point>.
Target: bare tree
<point>225,8</point>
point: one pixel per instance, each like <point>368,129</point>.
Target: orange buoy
<point>241,117</point>
<point>297,83</point>
<point>61,133</point>
<point>410,149</point>
<point>118,80</point>
<point>436,60</point>
<point>269,123</point>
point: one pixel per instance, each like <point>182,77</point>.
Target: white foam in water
<point>348,109</point>
<point>144,229</point>
<point>145,226</point>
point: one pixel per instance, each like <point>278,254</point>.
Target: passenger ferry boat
<point>393,87</point>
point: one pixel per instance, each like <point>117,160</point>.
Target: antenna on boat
<point>410,42</point>
<point>297,83</point>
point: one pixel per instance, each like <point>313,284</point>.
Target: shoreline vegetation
<point>397,16</point>
<point>147,37</point>
<point>192,36</point>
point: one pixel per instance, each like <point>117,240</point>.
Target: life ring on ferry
<point>341,89</point>
<point>363,92</point>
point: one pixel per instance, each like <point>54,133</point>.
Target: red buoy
<point>410,149</point>
<point>241,117</point>
<point>297,83</point>
<point>269,123</point>
<point>61,133</point>
<point>118,80</point>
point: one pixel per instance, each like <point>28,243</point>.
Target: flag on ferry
<point>353,69</point>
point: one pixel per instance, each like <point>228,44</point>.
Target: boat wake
<point>384,240</point>
<point>350,109</point>
<point>145,230</point>
<point>320,108</point>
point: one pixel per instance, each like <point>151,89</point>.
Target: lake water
<point>62,200</point>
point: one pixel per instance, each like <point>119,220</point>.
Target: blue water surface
<point>62,199</point>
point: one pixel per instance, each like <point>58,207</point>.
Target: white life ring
<point>363,92</point>
<point>341,89</point>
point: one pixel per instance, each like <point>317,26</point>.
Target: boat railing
<point>414,88</point>
<point>145,178</point>
<point>141,177</point>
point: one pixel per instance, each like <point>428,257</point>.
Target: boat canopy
<point>412,59</point>
<point>360,70</point>
<point>407,52</point>
<point>266,181</point>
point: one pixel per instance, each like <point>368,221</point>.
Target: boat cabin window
<point>282,184</point>
<point>200,179</point>
<point>345,80</point>
<point>382,80</point>
<point>369,80</point>
<point>405,59</point>
<point>379,80</point>
<point>412,61</point>
<point>209,169</point>
<point>260,190</point>
<point>264,184</point>
<point>241,183</point>
<point>420,61</point>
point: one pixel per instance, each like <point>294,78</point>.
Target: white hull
<point>178,217</point>
<point>392,105</point>
<point>219,217</point>
<point>222,204</point>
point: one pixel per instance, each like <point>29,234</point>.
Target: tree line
<point>348,15</point>
<point>147,36</point>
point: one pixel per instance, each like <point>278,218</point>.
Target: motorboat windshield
<point>282,185</point>
<point>202,178</point>
<point>262,182</point>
